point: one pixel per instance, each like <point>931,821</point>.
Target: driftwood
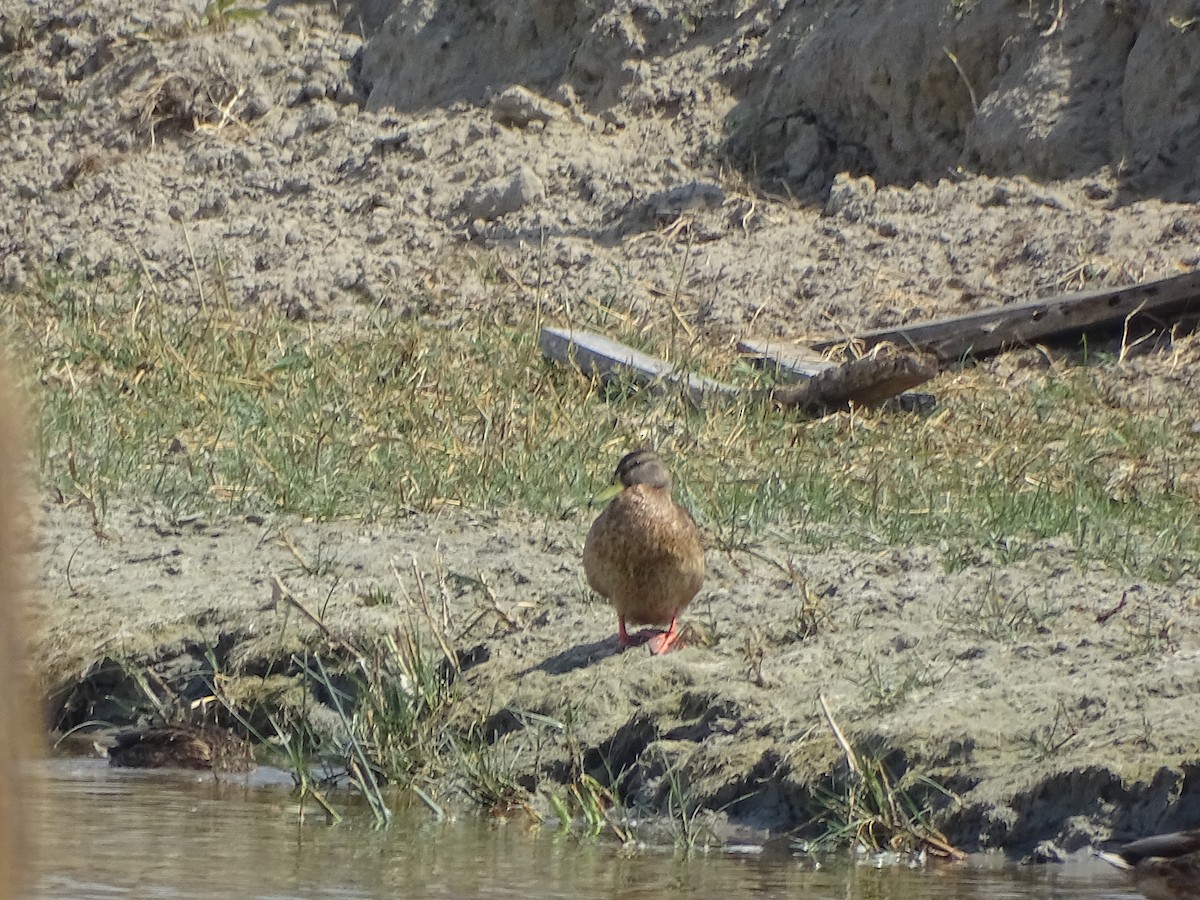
<point>876,377</point>
<point>786,359</point>
<point>899,358</point>
<point>985,332</point>
<point>597,356</point>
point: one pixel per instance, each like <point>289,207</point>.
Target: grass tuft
<point>864,805</point>
<point>690,822</point>
<point>869,807</point>
<point>589,805</point>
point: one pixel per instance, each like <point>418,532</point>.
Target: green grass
<point>867,806</point>
<point>218,409</point>
<point>886,685</point>
<point>690,823</point>
<point>590,807</point>
<point>392,694</point>
<point>1001,616</point>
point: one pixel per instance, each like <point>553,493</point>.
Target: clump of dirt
<point>745,168</point>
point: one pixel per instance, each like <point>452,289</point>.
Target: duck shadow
<point>578,657</point>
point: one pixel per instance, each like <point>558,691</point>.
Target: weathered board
<point>597,356</point>
<point>985,332</point>
<point>886,374</point>
<point>870,380</point>
<point>786,359</point>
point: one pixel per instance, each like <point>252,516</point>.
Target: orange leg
<point>666,641</point>
<point>625,639</point>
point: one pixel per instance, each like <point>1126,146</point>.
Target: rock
<point>695,196</point>
<point>517,107</point>
<point>1045,852</point>
<point>503,195</point>
<point>850,198</point>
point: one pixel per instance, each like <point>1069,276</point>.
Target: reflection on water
<point>123,833</point>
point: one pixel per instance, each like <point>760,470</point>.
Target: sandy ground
<point>678,162</point>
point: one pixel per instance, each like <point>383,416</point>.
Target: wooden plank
<point>787,359</point>
<point>984,332</point>
<point>598,356</point>
<point>826,384</point>
<point>865,381</point>
<point>870,380</point>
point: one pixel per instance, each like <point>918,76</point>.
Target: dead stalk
<point>851,756</point>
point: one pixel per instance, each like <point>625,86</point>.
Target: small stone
<point>517,107</point>
<point>320,117</point>
<point>850,197</point>
<point>695,196</point>
<point>503,195</point>
<point>212,206</point>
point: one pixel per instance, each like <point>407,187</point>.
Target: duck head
<point>642,467</point>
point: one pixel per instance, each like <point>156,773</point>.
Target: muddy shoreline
<point>1055,723</point>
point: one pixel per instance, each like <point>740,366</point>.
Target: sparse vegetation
<point>391,698</point>
<point>886,686</point>
<point>488,777</point>
<point>1152,631</point>
<point>219,408</point>
<point>865,805</point>
<point>587,802</point>
<point>1045,741</point>
<point>862,804</point>
<point>688,819</point>
<point>221,14</point>
<point>1000,616</point>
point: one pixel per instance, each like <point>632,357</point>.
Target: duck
<point>181,746</point>
<point>1163,867</point>
<point>644,553</point>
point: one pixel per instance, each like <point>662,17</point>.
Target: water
<point>125,833</point>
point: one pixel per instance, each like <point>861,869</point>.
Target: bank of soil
<point>744,168</point>
<point>1016,687</point>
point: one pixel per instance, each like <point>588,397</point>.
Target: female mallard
<point>644,554</point>
<point>1163,867</point>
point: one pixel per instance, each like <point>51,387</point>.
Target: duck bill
<point>607,494</point>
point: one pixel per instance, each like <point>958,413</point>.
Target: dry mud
<point>770,168</point>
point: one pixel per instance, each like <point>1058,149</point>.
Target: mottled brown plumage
<point>644,553</point>
<point>1163,867</point>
